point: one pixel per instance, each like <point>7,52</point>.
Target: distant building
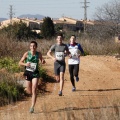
<point>31,23</point>
<point>64,22</point>
<point>72,24</point>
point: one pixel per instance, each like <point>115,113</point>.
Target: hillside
<point>2,19</point>
<point>32,16</point>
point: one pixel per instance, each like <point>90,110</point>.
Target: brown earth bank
<point>97,95</point>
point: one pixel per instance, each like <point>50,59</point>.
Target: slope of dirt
<point>97,96</point>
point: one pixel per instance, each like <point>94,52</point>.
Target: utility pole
<point>11,13</point>
<point>85,13</point>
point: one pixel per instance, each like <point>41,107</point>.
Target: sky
<point>51,8</point>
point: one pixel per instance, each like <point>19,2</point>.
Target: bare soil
<point>97,96</point>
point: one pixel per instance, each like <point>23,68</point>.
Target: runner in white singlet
<point>74,60</point>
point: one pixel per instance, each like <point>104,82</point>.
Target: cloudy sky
<point>51,8</point>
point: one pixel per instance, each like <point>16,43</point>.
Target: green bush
<point>43,73</point>
<point>9,64</point>
<point>10,90</point>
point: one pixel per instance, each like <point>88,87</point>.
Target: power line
<point>34,3</point>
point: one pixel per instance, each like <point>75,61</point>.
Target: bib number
<point>32,67</point>
<point>60,56</point>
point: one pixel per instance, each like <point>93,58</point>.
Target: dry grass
<point>10,47</point>
<point>97,47</point>
<point>15,49</point>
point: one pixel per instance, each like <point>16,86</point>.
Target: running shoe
<point>60,93</point>
<point>31,110</point>
<point>77,79</point>
<point>73,89</point>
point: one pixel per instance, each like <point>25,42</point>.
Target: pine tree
<point>47,29</point>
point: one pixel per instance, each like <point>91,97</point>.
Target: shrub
<point>9,64</point>
<point>10,90</point>
<point>43,73</point>
<point>19,31</point>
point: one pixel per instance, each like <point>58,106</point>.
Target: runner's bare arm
<point>50,55</point>
<point>21,62</point>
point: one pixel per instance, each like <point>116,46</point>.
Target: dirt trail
<point>97,96</point>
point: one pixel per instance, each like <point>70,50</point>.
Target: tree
<point>58,27</point>
<point>47,29</point>
<point>109,16</point>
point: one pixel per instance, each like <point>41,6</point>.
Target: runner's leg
<point>34,91</point>
<point>57,72</point>
<point>57,77</point>
<point>62,71</point>
<point>28,88</point>
<point>76,70</point>
<point>61,80</point>
<point>71,68</point>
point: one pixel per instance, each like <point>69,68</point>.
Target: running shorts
<point>30,75</point>
<point>59,67</point>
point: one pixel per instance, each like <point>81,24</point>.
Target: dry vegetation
<point>14,48</point>
<point>97,47</point>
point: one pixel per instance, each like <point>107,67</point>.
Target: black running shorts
<point>30,75</point>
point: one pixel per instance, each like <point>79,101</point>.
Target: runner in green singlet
<point>30,60</point>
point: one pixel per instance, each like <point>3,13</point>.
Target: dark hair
<point>34,43</point>
<point>74,36</point>
<point>60,34</point>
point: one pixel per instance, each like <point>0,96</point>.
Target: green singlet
<point>34,61</point>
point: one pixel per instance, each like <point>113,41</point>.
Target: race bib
<point>74,53</point>
<point>74,56</point>
<point>59,56</point>
<point>32,67</point>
